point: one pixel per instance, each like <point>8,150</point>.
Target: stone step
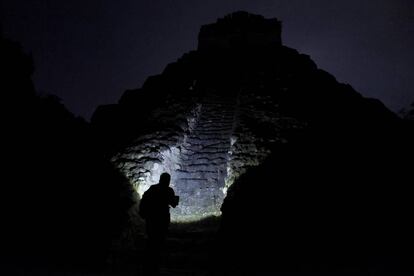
<point>211,130</point>
<point>197,202</point>
<point>216,113</point>
<point>215,163</point>
<point>200,153</point>
<point>203,157</point>
<point>191,155</point>
<point>205,114</point>
<point>215,118</point>
<point>211,166</point>
<point>192,138</point>
<point>214,123</point>
<point>209,125</point>
<point>195,140</point>
<point>204,136</point>
<point>199,172</point>
<point>212,169</point>
<point>219,164</point>
<point>218,146</point>
<point>200,167</point>
<point>196,174</point>
<point>190,184</point>
<point>209,150</point>
<point>199,176</point>
<point>210,156</point>
<point>222,107</point>
<point>209,160</point>
<point>185,172</point>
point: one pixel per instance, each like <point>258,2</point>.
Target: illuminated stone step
<point>223,150</point>
<point>218,140</point>
<point>207,149</point>
<point>211,156</point>
<point>228,111</point>
<point>214,129</point>
<point>209,160</point>
<point>197,175</point>
<point>200,167</point>
<point>203,144</point>
<point>206,136</point>
<point>218,148</point>
<point>199,194</point>
<point>221,143</point>
<point>199,178</point>
<point>222,108</point>
<point>214,125</point>
<point>215,113</point>
<point>207,169</point>
<point>219,131</point>
<point>210,136</point>
<point>202,174</point>
<point>214,163</point>
<point>193,202</point>
<point>199,149</point>
<point>188,185</point>
<point>195,180</point>
<point>215,119</point>
<point>214,150</point>
<point>209,125</point>
<point>206,158</point>
<point>185,172</point>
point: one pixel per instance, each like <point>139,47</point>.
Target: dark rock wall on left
<point>61,200</point>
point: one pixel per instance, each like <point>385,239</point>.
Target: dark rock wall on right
<point>335,197</point>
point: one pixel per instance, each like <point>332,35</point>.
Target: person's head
<point>165,179</point>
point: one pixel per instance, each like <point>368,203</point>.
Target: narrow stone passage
<point>204,159</point>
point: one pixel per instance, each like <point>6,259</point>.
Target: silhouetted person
<point>155,209</point>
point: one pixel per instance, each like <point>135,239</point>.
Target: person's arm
<point>172,199</point>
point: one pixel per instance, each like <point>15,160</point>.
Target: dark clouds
<point>89,52</point>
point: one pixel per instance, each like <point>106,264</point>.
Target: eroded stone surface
<point>204,155</point>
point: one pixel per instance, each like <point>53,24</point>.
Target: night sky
<point>88,52</point>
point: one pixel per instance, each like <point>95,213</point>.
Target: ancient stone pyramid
<point>219,110</point>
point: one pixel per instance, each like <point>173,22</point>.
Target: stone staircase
<point>204,158</point>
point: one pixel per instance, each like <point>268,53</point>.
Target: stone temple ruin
<point>240,29</point>
<point>210,115</point>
